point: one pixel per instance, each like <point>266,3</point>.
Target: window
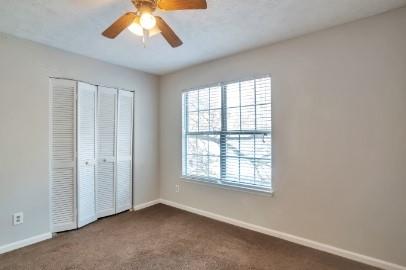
<point>227,134</point>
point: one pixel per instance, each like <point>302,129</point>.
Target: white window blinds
<point>227,134</point>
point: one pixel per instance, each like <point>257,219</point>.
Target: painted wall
<point>24,70</point>
<point>339,137</point>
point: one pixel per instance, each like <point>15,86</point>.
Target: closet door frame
<point>51,164</point>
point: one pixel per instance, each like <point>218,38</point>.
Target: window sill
<point>201,181</point>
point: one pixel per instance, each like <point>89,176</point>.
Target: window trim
<point>239,188</point>
<point>210,181</point>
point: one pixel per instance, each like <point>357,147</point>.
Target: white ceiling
<point>226,27</point>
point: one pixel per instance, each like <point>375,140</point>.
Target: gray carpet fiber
<point>162,237</point>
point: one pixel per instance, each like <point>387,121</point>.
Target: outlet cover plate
<point>18,218</point>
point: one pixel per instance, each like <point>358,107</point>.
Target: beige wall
<point>339,137</point>
<point>24,70</point>
<point>339,107</point>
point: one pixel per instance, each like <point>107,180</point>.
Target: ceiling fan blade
<point>118,26</point>
<point>168,33</point>
<point>182,4</point>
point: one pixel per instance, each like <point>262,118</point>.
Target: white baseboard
<point>145,205</point>
<point>25,242</point>
<point>291,238</point>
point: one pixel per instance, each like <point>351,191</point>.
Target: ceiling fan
<point>142,23</point>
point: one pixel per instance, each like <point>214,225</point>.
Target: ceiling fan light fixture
<point>136,29</point>
<point>141,22</point>
<point>147,21</point>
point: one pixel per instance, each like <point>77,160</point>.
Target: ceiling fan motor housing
<point>145,5</point>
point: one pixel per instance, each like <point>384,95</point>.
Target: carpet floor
<point>162,237</point>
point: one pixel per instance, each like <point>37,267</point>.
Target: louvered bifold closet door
<point>124,151</point>
<point>62,154</point>
<point>86,153</point>
<point>106,151</point>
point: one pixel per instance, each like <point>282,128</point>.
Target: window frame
<point>221,181</point>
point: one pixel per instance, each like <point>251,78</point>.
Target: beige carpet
<point>161,237</point>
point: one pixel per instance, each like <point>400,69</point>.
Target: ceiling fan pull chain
<point>145,37</point>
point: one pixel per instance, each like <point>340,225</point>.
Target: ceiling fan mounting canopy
<point>143,19</point>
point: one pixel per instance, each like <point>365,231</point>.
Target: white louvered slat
<point>106,151</point>
<point>86,153</point>
<point>105,188</point>
<point>62,196</point>
<point>62,154</point>
<point>124,151</point>
<point>124,180</point>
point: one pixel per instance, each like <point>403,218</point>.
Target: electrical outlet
<point>18,218</point>
<point>177,188</point>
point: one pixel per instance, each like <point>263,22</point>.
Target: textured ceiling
<point>226,27</point>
